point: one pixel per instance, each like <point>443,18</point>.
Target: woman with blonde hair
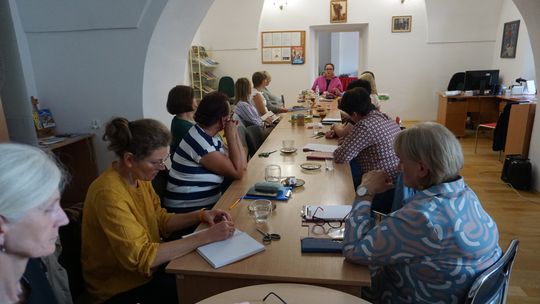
<point>30,215</point>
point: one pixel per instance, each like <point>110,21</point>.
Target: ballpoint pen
<point>235,203</point>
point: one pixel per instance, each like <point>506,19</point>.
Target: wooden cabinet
<point>452,113</point>
<point>520,124</point>
<point>77,156</point>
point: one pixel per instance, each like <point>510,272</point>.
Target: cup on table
<point>288,144</point>
<point>262,210</point>
<point>272,173</point>
<point>329,164</point>
<point>316,128</point>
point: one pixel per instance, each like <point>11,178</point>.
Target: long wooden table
<point>282,261</point>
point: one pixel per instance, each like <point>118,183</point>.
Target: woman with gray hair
<point>30,215</point>
<point>433,247</point>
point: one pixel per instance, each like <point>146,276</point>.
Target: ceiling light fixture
<point>281,4</point>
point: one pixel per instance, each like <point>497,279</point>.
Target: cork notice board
<point>283,47</point>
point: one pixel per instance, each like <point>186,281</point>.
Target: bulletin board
<point>283,47</point>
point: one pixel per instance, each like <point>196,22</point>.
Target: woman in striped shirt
<point>201,162</point>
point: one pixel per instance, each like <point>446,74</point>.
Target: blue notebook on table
<point>281,195</point>
<point>318,245</point>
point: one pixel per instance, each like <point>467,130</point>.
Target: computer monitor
<point>482,80</point>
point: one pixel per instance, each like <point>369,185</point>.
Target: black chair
<point>491,287</point>
<point>254,139</point>
<point>159,183</point>
<point>226,86</point>
<point>457,82</point>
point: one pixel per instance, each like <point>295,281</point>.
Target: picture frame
<point>401,24</point>
<point>297,55</point>
<point>338,11</point>
<point>509,39</point>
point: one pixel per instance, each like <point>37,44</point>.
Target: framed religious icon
<point>509,39</point>
<point>338,11</point>
<point>401,24</point>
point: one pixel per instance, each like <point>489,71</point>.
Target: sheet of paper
<point>295,38</point>
<point>267,39</point>
<point>276,39</point>
<point>276,54</point>
<point>286,53</point>
<point>320,147</point>
<point>286,39</point>
<point>531,87</point>
<point>267,54</point>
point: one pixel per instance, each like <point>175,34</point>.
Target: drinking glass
<point>329,164</point>
<point>262,210</point>
<point>288,144</point>
<point>272,173</point>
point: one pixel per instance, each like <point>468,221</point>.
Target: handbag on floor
<point>517,172</point>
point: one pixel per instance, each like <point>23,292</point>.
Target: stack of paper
<point>235,248</point>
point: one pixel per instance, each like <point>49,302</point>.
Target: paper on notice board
<point>276,54</point>
<point>295,38</point>
<point>267,54</point>
<point>286,54</point>
<point>267,39</point>
<point>286,39</point>
<point>276,39</point>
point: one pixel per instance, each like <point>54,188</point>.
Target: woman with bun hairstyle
<point>123,223</point>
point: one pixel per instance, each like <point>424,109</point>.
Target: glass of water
<point>272,173</point>
<point>262,210</point>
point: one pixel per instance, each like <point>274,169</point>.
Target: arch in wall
<point>530,10</point>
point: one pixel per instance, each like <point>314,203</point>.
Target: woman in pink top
<point>328,82</point>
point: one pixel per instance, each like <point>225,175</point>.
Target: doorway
<point>341,49</point>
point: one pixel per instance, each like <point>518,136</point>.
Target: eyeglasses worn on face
<point>159,163</point>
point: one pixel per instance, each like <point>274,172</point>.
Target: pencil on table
<point>235,203</point>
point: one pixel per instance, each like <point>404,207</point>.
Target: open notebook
<point>235,248</point>
<point>270,114</point>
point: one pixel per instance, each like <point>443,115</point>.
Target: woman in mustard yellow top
<point>123,222</point>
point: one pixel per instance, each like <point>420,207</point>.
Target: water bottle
<point>317,94</point>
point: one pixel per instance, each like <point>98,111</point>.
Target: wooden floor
<point>517,214</point>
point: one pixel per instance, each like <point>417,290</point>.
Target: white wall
<point>406,66</point>
<point>523,64</point>
<point>530,10</point>
<point>96,60</point>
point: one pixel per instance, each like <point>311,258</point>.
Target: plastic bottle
<point>317,95</point>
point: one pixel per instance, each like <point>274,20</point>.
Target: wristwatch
<point>362,191</point>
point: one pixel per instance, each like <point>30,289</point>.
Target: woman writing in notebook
<point>123,257</point>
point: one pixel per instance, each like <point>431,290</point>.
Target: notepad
<point>330,121</point>
<point>270,114</point>
<point>319,155</point>
<point>235,248</point>
<point>319,147</point>
<point>326,212</point>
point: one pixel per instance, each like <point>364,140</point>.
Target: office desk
<point>282,261</point>
<point>452,113</point>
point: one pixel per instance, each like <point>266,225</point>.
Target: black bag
<point>517,171</point>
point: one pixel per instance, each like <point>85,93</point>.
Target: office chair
<point>254,139</point>
<point>490,126</point>
<point>226,86</point>
<point>491,287</point>
<point>457,82</point>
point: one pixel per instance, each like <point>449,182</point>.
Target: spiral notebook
<point>239,246</point>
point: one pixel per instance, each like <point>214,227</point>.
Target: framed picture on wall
<point>401,24</point>
<point>509,39</point>
<point>338,11</point>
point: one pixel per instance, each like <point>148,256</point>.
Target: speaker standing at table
<point>122,254</point>
<point>432,248</point>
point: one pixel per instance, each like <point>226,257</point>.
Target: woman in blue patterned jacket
<point>431,249</point>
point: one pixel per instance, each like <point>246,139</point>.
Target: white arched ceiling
<point>167,53</point>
